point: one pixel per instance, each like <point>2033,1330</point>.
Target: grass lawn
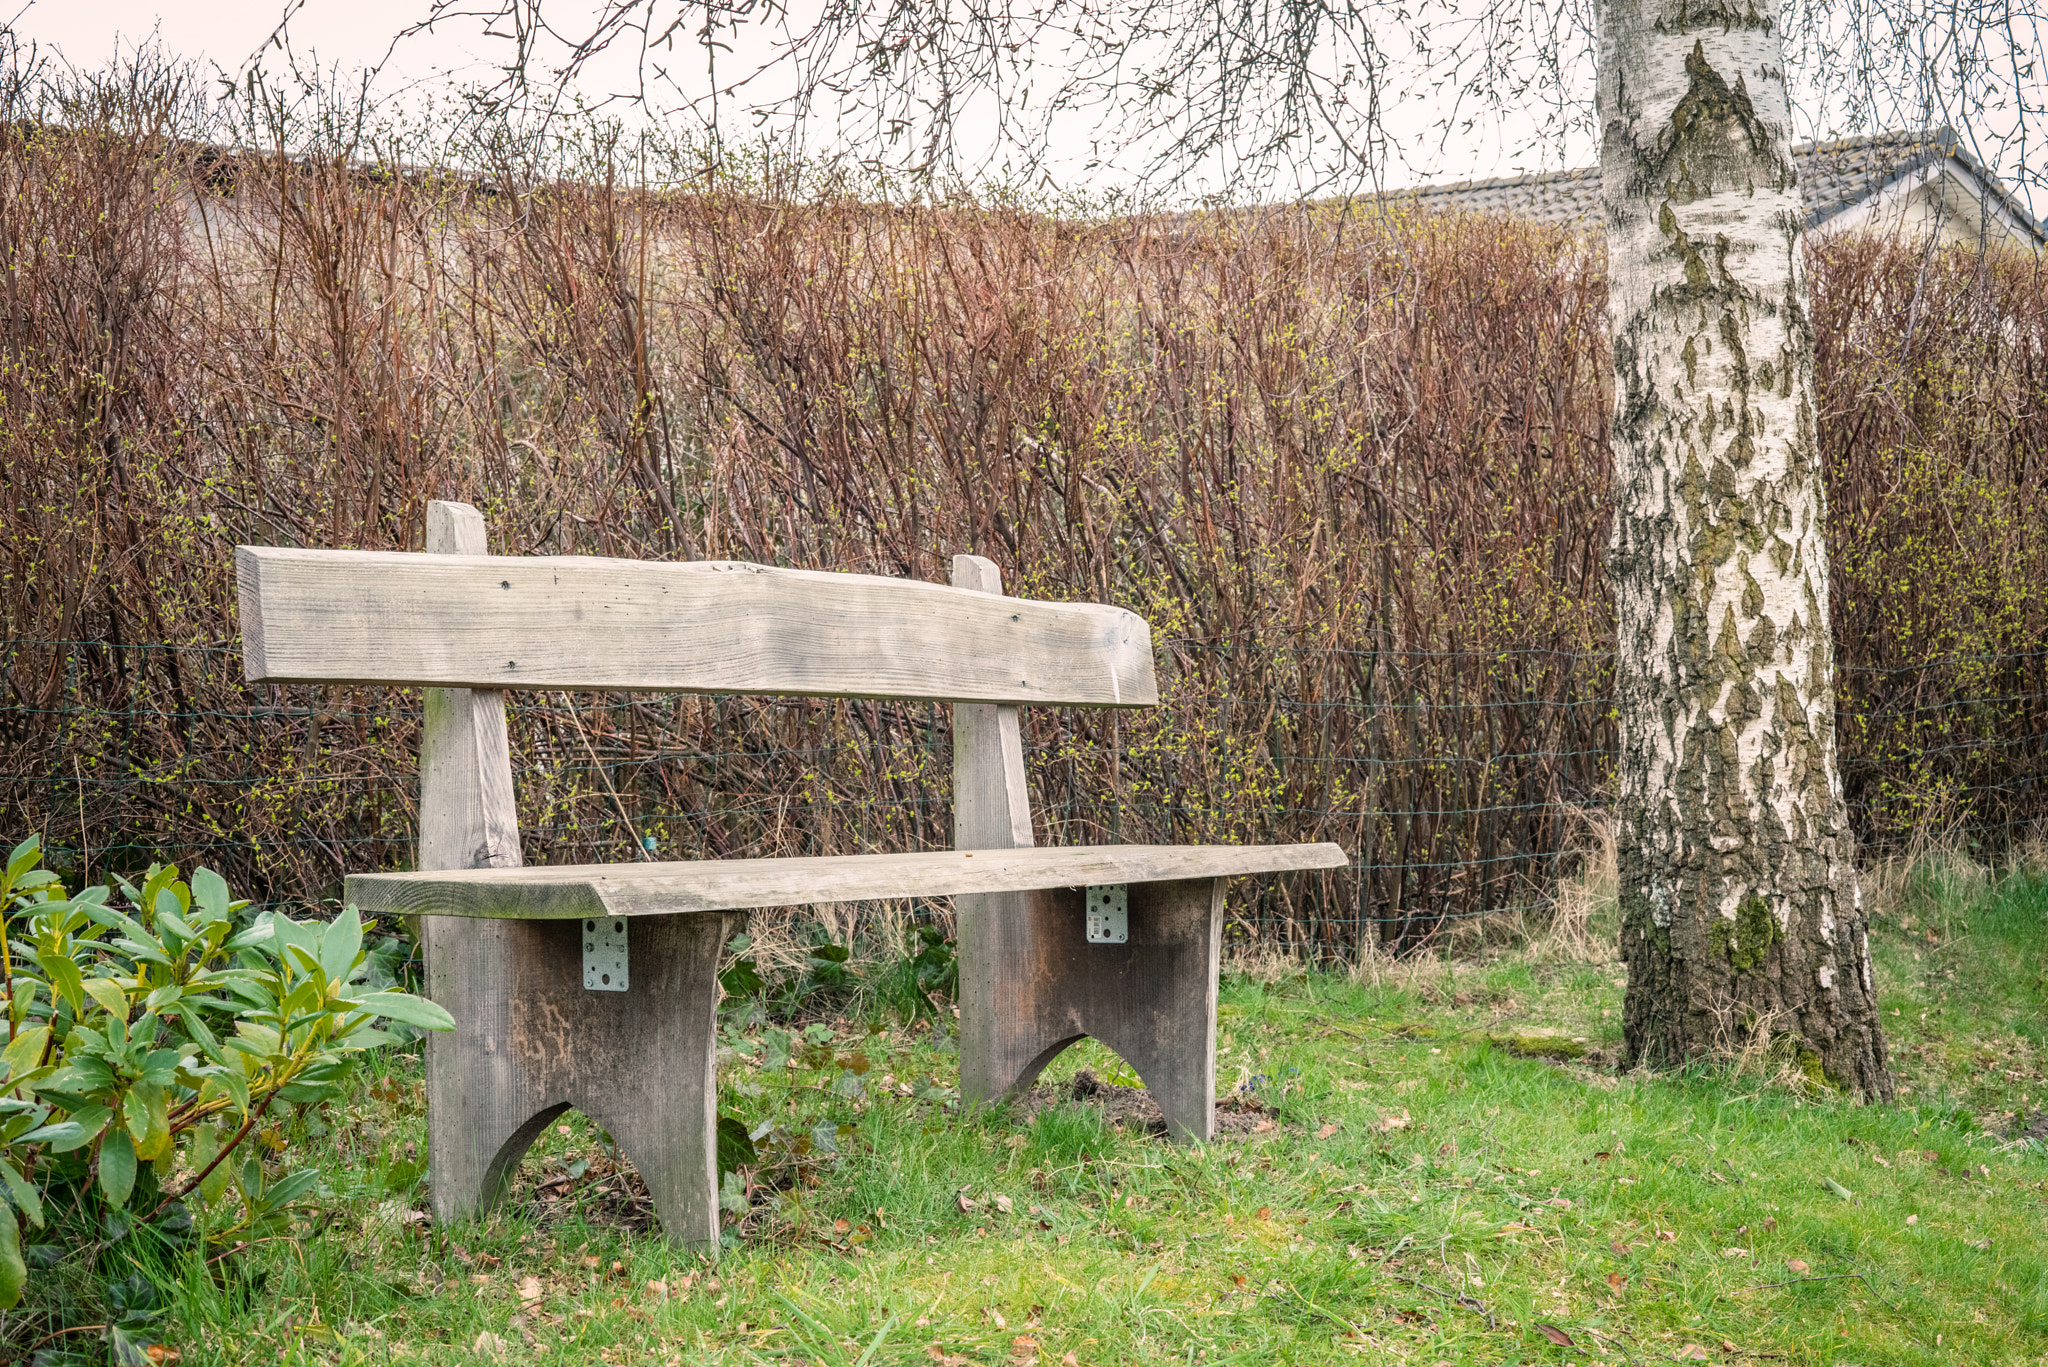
<point>1399,1189</point>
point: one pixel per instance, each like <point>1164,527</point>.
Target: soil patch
<point>1132,1108</point>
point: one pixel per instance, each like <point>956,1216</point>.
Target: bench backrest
<point>466,624</point>
<point>580,622</point>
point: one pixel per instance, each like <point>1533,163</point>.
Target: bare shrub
<point>1353,467</point>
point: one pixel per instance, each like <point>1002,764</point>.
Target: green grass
<point>1417,1200</point>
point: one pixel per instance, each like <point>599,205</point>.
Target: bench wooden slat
<point>573,891</point>
<point>582,622</point>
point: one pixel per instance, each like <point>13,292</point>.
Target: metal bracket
<point>604,955</point>
<point>1109,914</point>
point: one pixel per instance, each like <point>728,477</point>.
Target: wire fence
<point>1452,806</point>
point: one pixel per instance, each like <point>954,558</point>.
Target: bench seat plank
<point>575,891</point>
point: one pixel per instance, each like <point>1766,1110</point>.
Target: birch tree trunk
<point>1742,919</point>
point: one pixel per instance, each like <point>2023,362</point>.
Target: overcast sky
<point>351,34</point>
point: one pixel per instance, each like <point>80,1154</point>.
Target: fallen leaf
<point>1555,1335</point>
<point>1263,1127</point>
<point>529,1292</point>
<point>1617,1281</point>
<point>1620,1249</point>
<point>1393,1122</point>
<point>658,1289</point>
<point>1326,1131</point>
<point>1070,1361</point>
<point>1667,1236</point>
<point>841,1226</point>
<point>1265,1212</point>
<point>1692,1352</point>
<point>591,1263</point>
<point>1797,1266</point>
<point>1559,1203</point>
<point>996,1318</point>
<point>1003,1204</point>
<point>944,1358</point>
<point>157,1352</point>
<point>965,1204</point>
<point>1023,1348</point>
<point>1726,1346</point>
<point>1735,1253</point>
<point>488,1345</point>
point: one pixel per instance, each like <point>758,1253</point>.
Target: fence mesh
<point>1450,806</point>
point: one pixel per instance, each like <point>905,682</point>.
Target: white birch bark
<point>1740,906</point>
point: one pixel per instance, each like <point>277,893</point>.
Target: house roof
<point>1835,176</point>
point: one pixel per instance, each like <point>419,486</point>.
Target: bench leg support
<point>1031,984</point>
<point>530,1042</point>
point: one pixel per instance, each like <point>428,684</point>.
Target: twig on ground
<point>1455,1297</point>
<point>1830,1277</point>
<point>74,1329</point>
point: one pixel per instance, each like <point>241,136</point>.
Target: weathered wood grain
<point>991,802</point>
<point>529,1042</point>
<point>574,891</point>
<point>994,930</point>
<point>1151,999</point>
<point>468,816</point>
<point>581,622</point>
<point>641,1063</point>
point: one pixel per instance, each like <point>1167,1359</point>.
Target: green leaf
<point>130,1346</point>
<point>111,998</point>
<point>367,1038</point>
<point>406,1008</point>
<point>147,1112</point>
<point>23,1191</point>
<point>13,1271</point>
<point>208,1043</point>
<point>236,1085</point>
<point>117,1166</point>
<point>286,1190</point>
<point>19,862</point>
<point>735,1144</point>
<point>743,979</point>
<point>172,899</point>
<point>257,937</point>
<point>65,980</point>
<point>1838,1189</point>
<point>340,945</point>
<point>25,1051</point>
<point>81,1129</point>
<point>206,1140</point>
<point>210,892</point>
<point>289,934</point>
<point>161,876</point>
<point>177,932</point>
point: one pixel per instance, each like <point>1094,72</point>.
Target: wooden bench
<point>595,986</point>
